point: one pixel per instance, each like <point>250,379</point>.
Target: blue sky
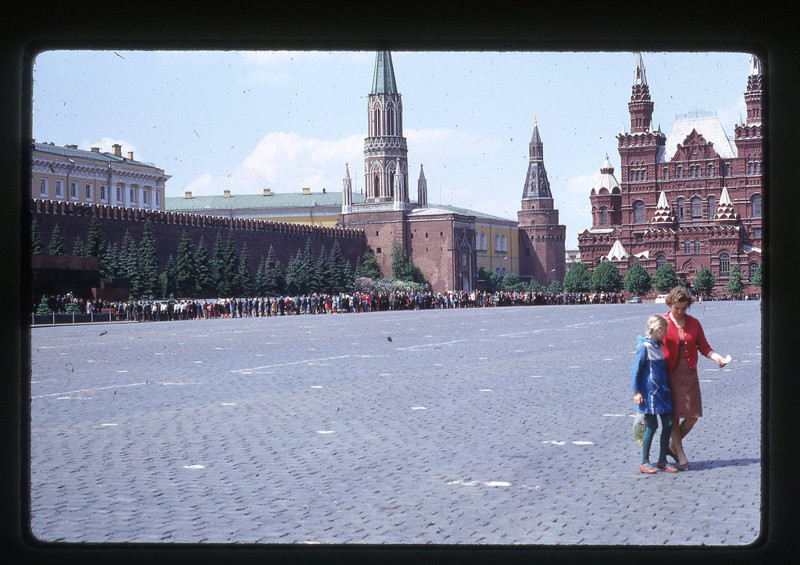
<point>245,121</point>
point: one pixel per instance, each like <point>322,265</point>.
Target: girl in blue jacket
<point>651,393</point>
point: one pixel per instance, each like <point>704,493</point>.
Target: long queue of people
<point>266,306</point>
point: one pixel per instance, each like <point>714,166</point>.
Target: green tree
<point>94,243</point>
<point>335,269</point>
<point>218,266</point>
<point>536,286</point>
<point>78,249</point>
<point>230,283</point>
<point>56,242</point>
<point>758,276</point>
<point>637,279</point>
<point>492,279</point>
<point>43,308</point>
<point>129,263</point>
<point>71,306</point>
<point>292,274</point>
<point>511,283</point>
<point>273,274</point>
<point>605,278</point>
<point>36,239</point>
<point>169,279</point>
<point>703,282</point>
<point>555,286</point>
<point>204,287</point>
<point>186,269</point>
<point>319,278</point>
<point>578,278</point>
<point>665,278</point>
<point>735,285</point>
<point>368,267</point>
<point>260,278</point>
<point>398,260</point>
<point>306,268</point>
<point>348,280</point>
<point>150,284</point>
<point>108,262</point>
<point>244,274</point>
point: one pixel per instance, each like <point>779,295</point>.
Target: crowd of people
<point>267,306</point>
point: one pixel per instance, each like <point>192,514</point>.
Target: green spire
<point>383,78</point>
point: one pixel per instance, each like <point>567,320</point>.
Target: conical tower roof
<point>383,78</point>
<point>536,183</point>
<point>617,252</point>
<point>607,179</point>
<point>725,209</point>
<point>663,213</point>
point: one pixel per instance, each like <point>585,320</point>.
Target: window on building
<point>73,190</point>
<point>681,205</point>
<point>157,203</point>
<point>43,187</point>
<point>482,242</point>
<point>724,265</point>
<point>749,168</point>
<point>665,173</point>
<point>756,233</point>
<point>727,169</point>
<point>59,188</point>
<point>497,270</point>
<point>119,194</point>
<point>503,272</point>
<point>751,270</point>
<point>103,192</point>
<point>144,197</point>
<point>712,207</point>
<point>697,246</point>
<point>679,172</point>
<point>639,238</point>
<point>88,192</point>
<point>661,260</point>
<point>687,246</point>
<point>697,208</point>
<point>132,195</point>
<point>710,170</point>
<point>603,216</point>
<point>638,212</point>
<point>755,203</point>
<point>497,242</point>
<point>503,244</point>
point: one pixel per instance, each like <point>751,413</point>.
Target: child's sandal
<point>668,467</point>
<point>647,468</point>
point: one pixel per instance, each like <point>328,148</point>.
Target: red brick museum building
<point>691,199</point>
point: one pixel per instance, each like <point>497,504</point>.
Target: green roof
<point>278,200</point>
<point>256,201</point>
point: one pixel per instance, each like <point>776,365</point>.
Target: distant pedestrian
<point>651,393</point>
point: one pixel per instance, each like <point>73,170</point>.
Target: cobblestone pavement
<point>484,426</point>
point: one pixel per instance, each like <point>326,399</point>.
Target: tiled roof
<point>709,127</point>
<point>83,154</point>
<point>256,201</point>
<point>279,200</point>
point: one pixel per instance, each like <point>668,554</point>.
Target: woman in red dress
<point>684,339</point>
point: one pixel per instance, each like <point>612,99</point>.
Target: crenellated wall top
<point>57,207</point>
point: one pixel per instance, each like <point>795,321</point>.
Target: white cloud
<point>286,162</point>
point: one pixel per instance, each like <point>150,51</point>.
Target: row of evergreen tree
<point>606,278</point>
<point>192,272</point>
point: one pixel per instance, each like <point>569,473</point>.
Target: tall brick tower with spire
<point>541,237</point>
<point>385,148</point>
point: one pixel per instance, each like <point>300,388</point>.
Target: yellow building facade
<point>70,174</point>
